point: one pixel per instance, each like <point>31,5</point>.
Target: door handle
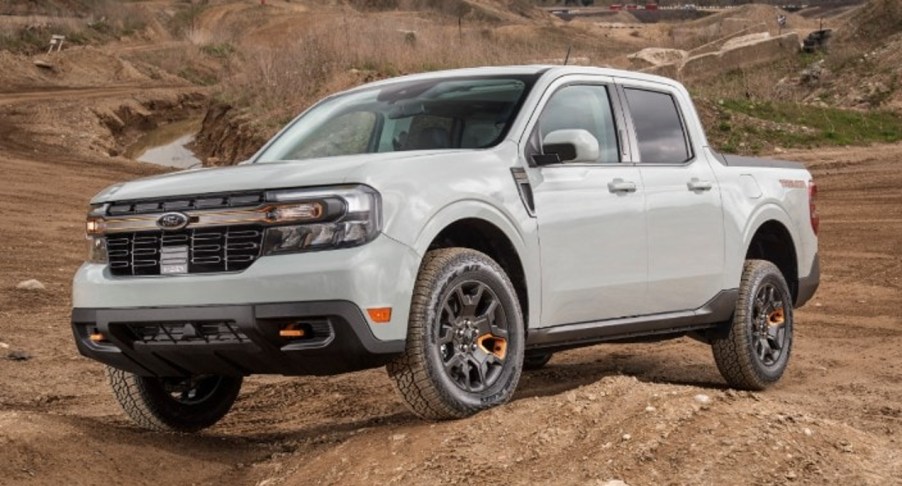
<point>620,185</point>
<point>697,185</point>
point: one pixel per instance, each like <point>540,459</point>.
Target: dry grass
<point>95,23</point>
<point>11,23</point>
<point>759,82</point>
<point>281,81</point>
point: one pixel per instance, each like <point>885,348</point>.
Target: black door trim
<point>715,311</point>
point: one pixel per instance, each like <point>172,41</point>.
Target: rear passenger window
<point>659,129</point>
<point>585,107</point>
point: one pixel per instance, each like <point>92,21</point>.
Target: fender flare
<point>468,209</point>
<point>763,214</point>
<point>506,223</point>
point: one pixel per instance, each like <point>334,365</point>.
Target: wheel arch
<point>773,241</point>
<point>490,232</point>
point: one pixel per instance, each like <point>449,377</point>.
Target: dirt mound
<point>875,22</point>
<point>615,428</point>
<point>753,14</point>
<point>656,56</point>
<point>486,10</point>
<point>863,64</point>
<point>50,7</point>
<point>76,67</point>
<point>621,17</point>
<point>746,19</point>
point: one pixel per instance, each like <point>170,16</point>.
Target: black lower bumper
<point>234,340</point>
<point>808,285</point>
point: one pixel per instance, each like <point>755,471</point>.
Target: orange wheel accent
<point>493,345</point>
<point>776,317</point>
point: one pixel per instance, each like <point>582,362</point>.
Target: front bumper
<point>379,274</point>
<point>233,340</point>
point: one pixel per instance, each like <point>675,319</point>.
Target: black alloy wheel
<point>193,390</point>
<point>472,336</point>
<point>769,325</point>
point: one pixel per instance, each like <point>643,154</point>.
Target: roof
<point>556,70</point>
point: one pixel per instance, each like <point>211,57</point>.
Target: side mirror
<point>572,145</point>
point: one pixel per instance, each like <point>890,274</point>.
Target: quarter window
<point>659,128</point>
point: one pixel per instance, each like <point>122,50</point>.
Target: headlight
<point>339,217</point>
<point>94,227</point>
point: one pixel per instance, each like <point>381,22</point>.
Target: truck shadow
<point>582,367</point>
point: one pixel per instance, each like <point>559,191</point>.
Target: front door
<point>590,214</point>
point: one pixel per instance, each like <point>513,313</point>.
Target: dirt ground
<point>641,413</point>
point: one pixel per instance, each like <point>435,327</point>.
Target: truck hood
<point>275,175</point>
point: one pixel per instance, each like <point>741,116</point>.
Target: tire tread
<point>409,372</point>
<point>732,349</point>
<point>129,391</point>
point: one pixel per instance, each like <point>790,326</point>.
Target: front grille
<point>202,250</point>
<point>216,332</point>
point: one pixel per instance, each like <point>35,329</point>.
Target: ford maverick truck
<point>457,227</point>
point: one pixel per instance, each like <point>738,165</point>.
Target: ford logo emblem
<point>172,221</point>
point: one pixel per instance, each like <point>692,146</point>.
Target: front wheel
<point>174,404</point>
<point>465,337</point>
<point>753,352</point>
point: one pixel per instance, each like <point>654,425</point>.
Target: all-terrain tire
<point>536,361</point>
<point>149,404</point>
<point>737,348</point>
<point>421,374</point>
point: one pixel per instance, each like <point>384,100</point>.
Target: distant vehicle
<point>616,6</point>
<point>651,6</point>
<point>632,6</point>
<point>458,227</point>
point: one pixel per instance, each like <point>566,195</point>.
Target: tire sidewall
<point>762,276</point>
<point>472,267</point>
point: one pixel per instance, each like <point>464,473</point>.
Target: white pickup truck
<point>456,226</point>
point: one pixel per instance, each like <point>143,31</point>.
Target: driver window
<point>585,107</point>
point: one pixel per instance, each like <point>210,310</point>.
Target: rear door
<point>682,201</point>
<point>591,219</point>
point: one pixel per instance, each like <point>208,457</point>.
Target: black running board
<point>717,310</point>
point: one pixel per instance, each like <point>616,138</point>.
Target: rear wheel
<point>753,352</point>
<point>465,337</point>
<point>174,404</point>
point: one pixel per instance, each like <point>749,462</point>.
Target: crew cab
<point>456,227</point>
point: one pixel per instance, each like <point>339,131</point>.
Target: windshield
<point>447,113</point>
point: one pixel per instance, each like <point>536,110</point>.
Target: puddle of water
<point>167,145</point>
<point>175,154</point>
